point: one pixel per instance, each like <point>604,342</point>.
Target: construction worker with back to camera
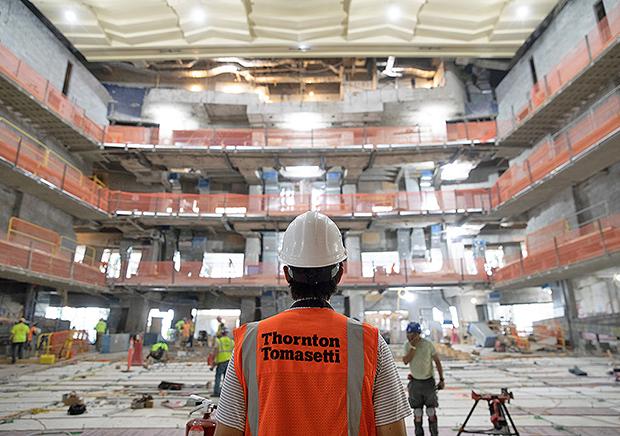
<point>419,354</point>
<point>310,370</point>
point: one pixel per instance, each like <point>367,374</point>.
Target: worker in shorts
<point>420,354</point>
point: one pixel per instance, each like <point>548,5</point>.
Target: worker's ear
<point>340,273</point>
<point>287,274</point>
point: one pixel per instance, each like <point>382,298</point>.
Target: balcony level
<point>24,92</point>
<point>584,147</point>
<point>557,253</point>
<point>585,70</point>
<point>30,166</point>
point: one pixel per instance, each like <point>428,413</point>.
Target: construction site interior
<point>153,152</point>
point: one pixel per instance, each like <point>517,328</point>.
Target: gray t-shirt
<point>421,366</point>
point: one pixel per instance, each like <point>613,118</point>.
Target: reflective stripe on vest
<point>355,374</point>
<point>248,354</point>
<point>359,380</point>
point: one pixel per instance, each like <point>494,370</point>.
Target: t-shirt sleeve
<point>389,398</point>
<point>231,409</point>
<point>432,346</point>
<point>406,347</point>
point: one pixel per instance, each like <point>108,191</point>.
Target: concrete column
<point>30,302</point>
<point>252,252</point>
<point>403,239</point>
<point>356,304</point>
<point>352,242</point>
<point>137,315</point>
<point>248,310</point>
<point>570,312</point>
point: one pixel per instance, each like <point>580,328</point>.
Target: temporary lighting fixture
<point>195,88</point>
<point>302,172</point>
<point>311,93</point>
<point>304,121</point>
<point>425,184</point>
<point>523,12</point>
<point>393,12</point>
<point>456,171</point>
<point>198,15</point>
<point>70,16</point>
<point>474,300</point>
<point>406,295</point>
<point>382,209</point>
<point>617,277</point>
<point>303,47</point>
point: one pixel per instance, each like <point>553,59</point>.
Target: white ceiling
<point>106,30</point>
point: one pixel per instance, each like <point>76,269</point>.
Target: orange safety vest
<point>307,371</point>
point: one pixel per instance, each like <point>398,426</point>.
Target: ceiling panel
<point>109,30</point>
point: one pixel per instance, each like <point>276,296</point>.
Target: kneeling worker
<point>420,355</point>
<point>310,370</point>
<point>158,353</point>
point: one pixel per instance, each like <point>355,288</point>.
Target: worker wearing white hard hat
<point>321,359</point>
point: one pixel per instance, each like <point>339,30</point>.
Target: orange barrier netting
<point>481,131</point>
<point>602,119</point>
<point>32,156</point>
<point>577,60</point>
<point>598,238</point>
<point>197,273</point>
<point>20,256</point>
<point>46,94</point>
<point>285,205</point>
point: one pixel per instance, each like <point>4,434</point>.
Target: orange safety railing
<point>602,36</point>
<point>466,200</point>
<point>32,156</point>
<point>31,235</point>
<point>470,131</point>
<point>198,273</point>
<point>601,120</point>
<point>63,344</point>
<point>595,239</point>
<point>45,93</point>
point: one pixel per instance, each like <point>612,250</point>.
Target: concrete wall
<point>597,294</point>
<point>560,206</point>
<point>600,194</point>
<point>565,31</point>
<point>23,33</point>
<point>34,210</point>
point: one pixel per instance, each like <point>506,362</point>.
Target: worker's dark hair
<point>313,282</point>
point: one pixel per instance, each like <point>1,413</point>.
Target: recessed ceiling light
<point>522,12</point>
<point>393,12</point>
<point>70,16</point>
<point>199,15</point>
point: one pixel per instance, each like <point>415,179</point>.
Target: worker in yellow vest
<point>223,352</point>
<point>178,326</point>
<point>19,335</point>
<point>100,328</point>
<point>159,351</point>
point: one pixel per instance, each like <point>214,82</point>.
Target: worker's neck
<point>311,302</point>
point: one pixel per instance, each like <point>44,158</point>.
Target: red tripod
<point>499,413</point>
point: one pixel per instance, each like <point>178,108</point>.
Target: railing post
<point>172,275</point>
<point>546,86</point>
<point>62,179</point>
<point>406,271</point>
<point>29,263</point>
<point>569,145</point>
<point>557,251</point>
<point>521,261</point>
<point>19,149</point>
<point>602,235</point>
<point>467,131</point>
<point>71,270</point>
<point>462,270</point>
<point>529,170</point>
<point>589,49</point>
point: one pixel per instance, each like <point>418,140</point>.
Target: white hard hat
<point>312,240</point>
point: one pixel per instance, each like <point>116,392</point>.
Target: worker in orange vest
<point>310,370</point>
